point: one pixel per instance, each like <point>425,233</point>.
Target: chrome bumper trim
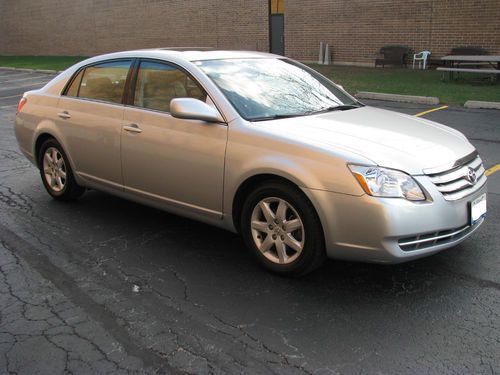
<point>437,238</point>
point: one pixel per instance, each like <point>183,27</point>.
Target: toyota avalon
<point>257,144</point>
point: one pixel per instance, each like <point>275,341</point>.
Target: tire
<point>56,173</point>
<point>282,229</point>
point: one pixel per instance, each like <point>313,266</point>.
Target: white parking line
<point>10,97</point>
<point>20,79</point>
<point>8,106</point>
<point>18,75</point>
<point>39,84</point>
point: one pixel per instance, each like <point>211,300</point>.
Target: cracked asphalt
<point>104,285</point>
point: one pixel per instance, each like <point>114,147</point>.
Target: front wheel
<point>56,173</point>
<point>281,227</point>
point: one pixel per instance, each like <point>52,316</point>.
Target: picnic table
<point>459,63</point>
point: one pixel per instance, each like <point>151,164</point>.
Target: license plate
<point>477,208</point>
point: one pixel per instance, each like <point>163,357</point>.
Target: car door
<point>91,118</point>
<point>178,162</point>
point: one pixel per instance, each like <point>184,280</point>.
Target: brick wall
<point>355,29</point>
<point>89,27</point>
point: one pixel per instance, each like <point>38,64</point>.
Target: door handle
<point>133,128</point>
<point>64,115</point>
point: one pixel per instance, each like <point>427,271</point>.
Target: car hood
<point>387,138</point>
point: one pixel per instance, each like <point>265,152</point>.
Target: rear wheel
<point>281,227</point>
<point>56,173</point>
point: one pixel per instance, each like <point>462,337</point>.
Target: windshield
<point>262,89</point>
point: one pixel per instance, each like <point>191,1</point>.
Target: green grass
<point>413,82</point>
<point>40,62</point>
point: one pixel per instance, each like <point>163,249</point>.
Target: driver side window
<point>157,84</point>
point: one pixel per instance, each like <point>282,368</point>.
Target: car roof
<point>188,54</point>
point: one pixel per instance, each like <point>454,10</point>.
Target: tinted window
<point>104,82</point>
<point>157,84</point>
<point>75,85</point>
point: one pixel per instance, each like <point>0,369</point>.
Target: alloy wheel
<point>277,230</point>
<point>54,169</point>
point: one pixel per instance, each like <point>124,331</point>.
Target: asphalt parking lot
<point>105,285</point>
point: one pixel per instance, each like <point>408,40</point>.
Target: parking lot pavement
<point>14,82</point>
<point>42,331</point>
<point>104,284</point>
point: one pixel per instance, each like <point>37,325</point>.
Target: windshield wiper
<point>342,107</point>
<point>276,117</point>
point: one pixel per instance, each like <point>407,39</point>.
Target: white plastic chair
<point>421,57</point>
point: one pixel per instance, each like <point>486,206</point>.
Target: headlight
<point>383,182</point>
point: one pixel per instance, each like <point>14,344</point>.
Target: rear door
<point>174,161</point>
<point>91,119</point>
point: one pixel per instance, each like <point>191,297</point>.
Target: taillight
<point>21,104</point>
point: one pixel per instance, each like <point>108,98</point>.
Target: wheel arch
<point>250,183</point>
<point>40,138</point>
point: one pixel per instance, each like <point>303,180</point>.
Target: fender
<point>50,128</point>
<point>277,165</point>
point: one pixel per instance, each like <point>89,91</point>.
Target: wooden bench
<point>468,70</point>
<point>392,55</point>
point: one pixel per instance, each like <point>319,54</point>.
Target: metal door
<point>91,134</point>
<point>278,34</point>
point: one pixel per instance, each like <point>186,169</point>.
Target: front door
<point>175,161</point>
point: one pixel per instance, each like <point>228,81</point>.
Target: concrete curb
<point>398,98</point>
<point>47,71</point>
<point>476,104</point>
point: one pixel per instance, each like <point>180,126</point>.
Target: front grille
<point>453,182</point>
<point>426,240</point>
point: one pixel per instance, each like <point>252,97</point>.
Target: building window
<point>277,6</point>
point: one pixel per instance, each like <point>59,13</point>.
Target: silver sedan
<point>257,144</point>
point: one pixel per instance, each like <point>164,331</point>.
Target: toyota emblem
<point>471,176</point>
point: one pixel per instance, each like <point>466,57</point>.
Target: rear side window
<point>157,84</point>
<point>104,82</point>
<point>75,85</point>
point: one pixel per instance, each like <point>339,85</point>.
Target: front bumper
<point>392,230</point>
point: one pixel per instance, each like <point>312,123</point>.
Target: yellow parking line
<point>492,170</point>
<point>431,110</point>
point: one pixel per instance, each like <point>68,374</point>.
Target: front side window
<point>272,88</point>
<point>105,82</point>
<point>158,83</point>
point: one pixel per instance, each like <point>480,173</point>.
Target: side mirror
<point>194,109</point>
<point>340,87</point>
